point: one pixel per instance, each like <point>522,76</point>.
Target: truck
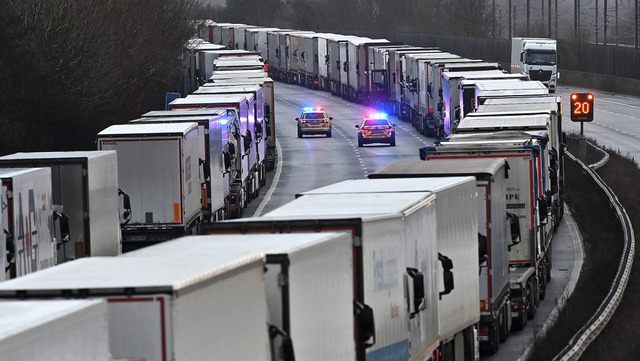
<point>257,41</point>
<point>269,113</point>
<point>379,80</point>
<point>309,287</point>
<point>45,330</point>
<point>238,63</point>
<point>159,169</point>
<point>474,92</point>
<point>537,58</point>
<point>530,253</point>
<point>27,220</point>
<point>455,245</point>
<point>493,226</point>
<point>364,66</point>
<point>207,57</point>
<point>85,192</point>
<point>551,105</point>
<point>260,125</point>
<point>337,60</point>
<point>166,308</point>
<point>225,75</point>
<point>449,113</point>
<point>245,186</point>
<point>217,161</point>
<point>192,70</point>
<point>538,125</point>
<point>385,231</point>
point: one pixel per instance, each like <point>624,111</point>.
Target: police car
<point>376,128</point>
<point>314,121</point>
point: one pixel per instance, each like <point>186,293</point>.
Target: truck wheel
<point>494,337</point>
<point>504,323</point>
<point>533,299</point>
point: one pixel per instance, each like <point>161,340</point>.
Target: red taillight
<point>315,82</point>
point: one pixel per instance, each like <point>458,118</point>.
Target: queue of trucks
<point>433,259</point>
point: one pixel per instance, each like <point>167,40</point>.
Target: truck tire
<point>504,323</point>
<point>494,337</point>
<point>534,297</point>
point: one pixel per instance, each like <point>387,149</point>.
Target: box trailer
<point>206,59</point>
<point>28,220</point>
<point>450,110</point>
<point>84,191</point>
<point>261,111</point>
<point>379,80</point>
<point>393,244</point>
<point>54,330</point>
<point>475,92</point>
<point>191,69</point>
<point>214,154</point>
<point>269,113</point>
<point>456,242</point>
<point>530,253</point>
<point>493,226</point>
<point>309,286</point>
<point>244,185</point>
<point>257,41</point>
<point>159,169</point>
<point>206,307</point>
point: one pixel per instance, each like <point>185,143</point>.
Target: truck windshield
<point>541,58</point>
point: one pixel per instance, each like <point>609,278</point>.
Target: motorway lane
<point>615,123</point>
<point>316,161</point>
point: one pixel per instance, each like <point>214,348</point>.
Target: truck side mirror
<point>258,129</point>
<point>482,249</point>
<point>542,210</point>
<point>226,157</point>
<point>456,113</point>
<point>64,227</point>
<point>286,352</point>
<point>247,140</point>
<point>418,291</point>
<point>126,215</point>
<point>326,59</point>
<point>206,170</point>
<point>366,325</point>
<point>514,223</point>
<point>447,275</point>
<point>10,248</point>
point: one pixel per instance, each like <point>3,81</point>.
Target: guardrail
<point>590,331</point>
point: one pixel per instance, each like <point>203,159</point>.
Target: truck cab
<point>537,58</point>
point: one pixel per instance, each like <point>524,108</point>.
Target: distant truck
<point>537,58</point>
<point>27,219</point>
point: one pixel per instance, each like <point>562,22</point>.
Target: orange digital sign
<point>581,107</point>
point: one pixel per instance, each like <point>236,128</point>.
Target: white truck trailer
<point>217,161</point>
<point>191,69</point>
<point>85,192</point>
<point>398,77</point>
<point>54,330</point>
<point>450,111</point>
<point>206,307</point>
<point>245,185</point>
<point>537,58</point>
<point>493,226</point>
<point>207,57</point>
<point>384,229</point>
<point>28,220</point>
<point>364,65</point>
<point>238,63</point>
<point>269,113</point>
<point>455,245</point>
<point>309,286</point>
<point>257,40</point>
<point>159,169</point>
<point>551,105</point>
<point>474,93</point>
<point>260,125</point>
<point>530,254</point>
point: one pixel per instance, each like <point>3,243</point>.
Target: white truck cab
<point>537,58</point>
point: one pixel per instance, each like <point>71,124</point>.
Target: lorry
<point>85,192</point>
<point>30,241</point>
<point>474,92</point>
<point>393,302</point>
<point>218,161</point>
<point>238,63</point>
<point>455,245</point>
<point>537,58</point>
<point>449,113</point>
<point>159,169</point>
<point>191,68</point>
<point>364,66</point>
<point>46,330</point>
<point>493,226</point>
<point>257,40</point>
<point>309,286</point>
<point>207,57</point>
<point>166,308</point>
<point>551,105</point>
<point>245,186</point>
<point>530,253</point>
<point>269,113</point>
<point>260,126</point>
<point>379,80</point>
<point>337,60</point>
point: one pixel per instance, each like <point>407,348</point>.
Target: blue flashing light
<point>308,109</point>
<point>378,115</point>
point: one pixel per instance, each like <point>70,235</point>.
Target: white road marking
<point>273,186</point>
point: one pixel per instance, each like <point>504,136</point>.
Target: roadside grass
<point>603,243</point>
